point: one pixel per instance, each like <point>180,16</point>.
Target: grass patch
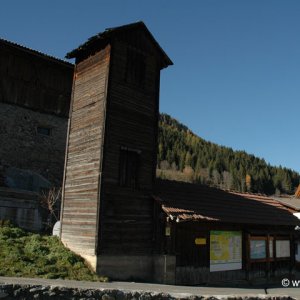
<point>25,254</point>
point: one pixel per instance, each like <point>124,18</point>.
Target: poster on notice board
<point>225,250</point>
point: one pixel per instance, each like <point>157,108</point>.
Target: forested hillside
<point>182,155</point>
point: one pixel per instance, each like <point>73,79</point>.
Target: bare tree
<point>50,201</point>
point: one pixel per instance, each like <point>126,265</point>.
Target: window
<point>135,68</point>
<point>129,167</point>
<point>44,131</point>
<point>258,248</point>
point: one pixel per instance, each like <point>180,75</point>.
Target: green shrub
<point>33,255</point>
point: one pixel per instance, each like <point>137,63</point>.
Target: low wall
<point>22,208</point>
<point>164,269</point>
<point>126,267</point>
<point>146,268</point>
<point>194,276</point>
<point>16,291</point>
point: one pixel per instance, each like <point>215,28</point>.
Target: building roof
<point>291,202</point>
<point>105,37</point>
<point>50,80</point>
<point>193,202</point>
<point>35,52</point>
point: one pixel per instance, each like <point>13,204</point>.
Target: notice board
<point>225,250</point>
<point>258,249</point>
<point>283,248</point>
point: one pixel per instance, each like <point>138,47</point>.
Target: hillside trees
<point>181,151</point>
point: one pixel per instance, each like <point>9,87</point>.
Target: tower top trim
<point>103,38</point>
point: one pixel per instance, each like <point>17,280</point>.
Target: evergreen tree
<point>213,164</point>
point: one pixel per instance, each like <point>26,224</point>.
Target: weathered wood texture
<point>34,80</point>
<point>193,261</point>
<point>83,159</point>
<point>100,216</point>
<point>132,120</point>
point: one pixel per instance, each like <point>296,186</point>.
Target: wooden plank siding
<point>83,161</point>
<point>127,214</point>
<point>112,110</point>
<point>34,80</point>
<point>193,261</point>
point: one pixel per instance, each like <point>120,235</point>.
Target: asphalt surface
<point>174,290</point>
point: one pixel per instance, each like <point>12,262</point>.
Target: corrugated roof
<point>35,52</point>
<point>192,202</point>
<point>291,202</point>
<point>105,36</point>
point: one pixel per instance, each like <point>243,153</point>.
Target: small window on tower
<point>135,68</point>
<point>44,130</point>
<point>129,167</point>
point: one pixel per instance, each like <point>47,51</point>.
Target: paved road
<point>176,291</point>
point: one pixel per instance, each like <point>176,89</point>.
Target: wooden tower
<point>107,210</point>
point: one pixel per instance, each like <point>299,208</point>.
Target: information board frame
<point>225,250</point>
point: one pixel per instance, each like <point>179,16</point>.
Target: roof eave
<point>36,53</point>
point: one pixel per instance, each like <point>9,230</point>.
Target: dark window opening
<point>129,167</point>
<point>135,68</point>
<point>44,131</point>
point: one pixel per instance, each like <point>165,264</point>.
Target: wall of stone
<point>21,146</point>
<point>10,291</point>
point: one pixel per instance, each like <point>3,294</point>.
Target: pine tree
<point>236,169</point>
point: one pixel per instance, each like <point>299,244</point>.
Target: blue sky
<point>236,74</point>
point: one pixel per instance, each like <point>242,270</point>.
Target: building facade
<point>35,91</point>
<point>216,236</point>
<point>123,221</point>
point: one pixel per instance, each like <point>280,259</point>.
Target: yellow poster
<point>225,250</point>
<point>200,241</point>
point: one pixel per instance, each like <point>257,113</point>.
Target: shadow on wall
<point>22,199</point>
<point>22,208</point>
<point>20,179</point>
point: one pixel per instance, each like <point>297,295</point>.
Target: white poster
<point>283,248</point>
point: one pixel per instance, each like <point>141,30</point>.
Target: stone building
<point>35,91</point>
